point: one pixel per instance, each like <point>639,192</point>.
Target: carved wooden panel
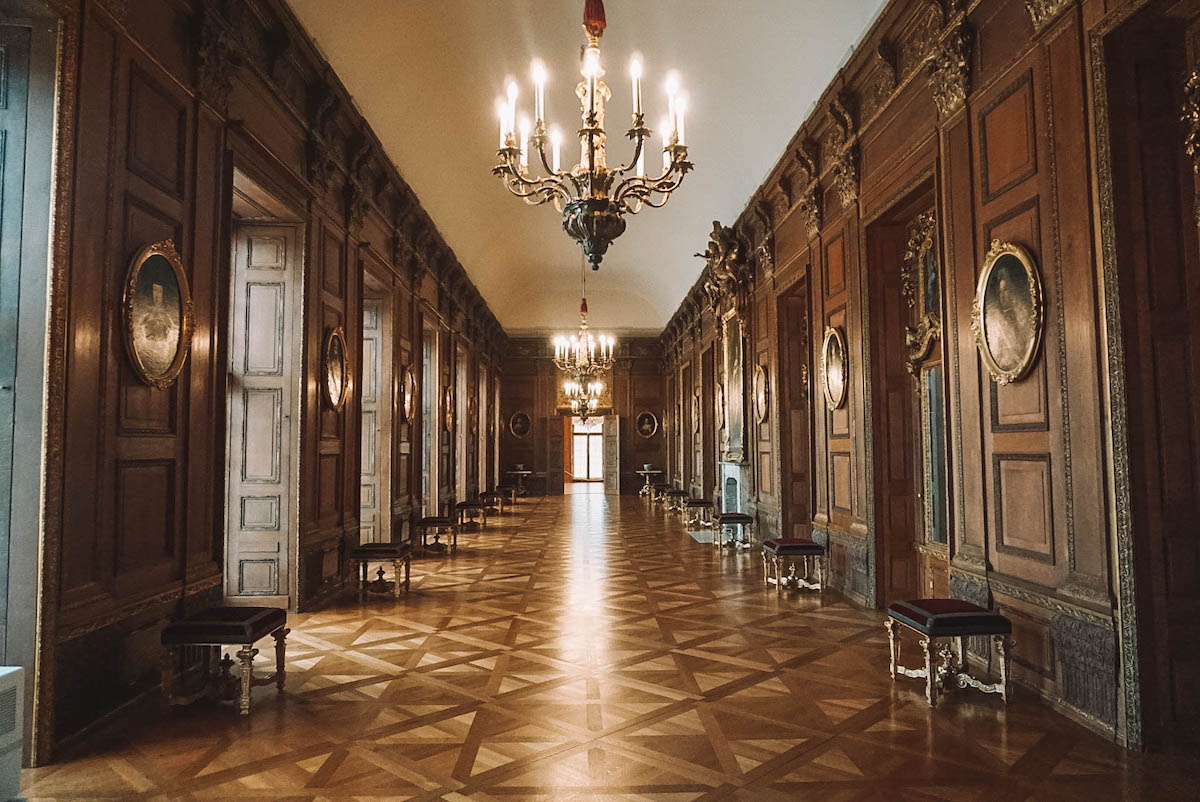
<point>835,265</point>
<point>1025,497</point>
<point>841,494</point>
<point>1008,139</point>
<point>157,133</point>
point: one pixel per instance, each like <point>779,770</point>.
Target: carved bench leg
<point>893,646</point>
<point>1003,644</point>
<point>931,672</point>
<point>779,576</point>
<point>281,657</point>
<point>246,656</point>
<point>766,569</point>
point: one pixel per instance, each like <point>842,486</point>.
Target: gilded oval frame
<point>335,396</point>
<point>187,320</point>
<point>1031,329</point>
<point>834,335</point>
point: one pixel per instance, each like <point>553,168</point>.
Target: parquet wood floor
<point>588,648</point>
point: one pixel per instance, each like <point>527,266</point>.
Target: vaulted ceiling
<point>426,73</point>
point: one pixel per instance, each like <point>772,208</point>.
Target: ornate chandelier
<point>592,197</point>
<point>583,397</point>
<point>582,356</point>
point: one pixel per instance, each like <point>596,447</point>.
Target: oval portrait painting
<point>1007,318</point>
<point>520,425</point>
<point>158,314</point>
<point>833,367</point>
<point>646,424</point>
<point>336,368</point>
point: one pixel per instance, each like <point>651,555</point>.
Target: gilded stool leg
<point>281,657</point>
<point>766,568</point>
<point>246,656</point>
<point>893,647</point>
<point>778,576</point>
<point>931,686</point>
<point>1003,643</point>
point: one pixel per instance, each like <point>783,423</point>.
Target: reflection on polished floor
<point>587,648</point>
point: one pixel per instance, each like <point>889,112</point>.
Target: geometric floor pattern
<point>589,648</point>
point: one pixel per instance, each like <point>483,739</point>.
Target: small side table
<point>648,487</point>
<point>519,479</point>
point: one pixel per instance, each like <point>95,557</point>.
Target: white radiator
<point>12,700</point>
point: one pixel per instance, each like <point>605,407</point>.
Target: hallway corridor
<point>589,648</point>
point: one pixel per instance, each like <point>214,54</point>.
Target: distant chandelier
<point>591,197</point>
<point>582,356</point>
<point>584,398</point>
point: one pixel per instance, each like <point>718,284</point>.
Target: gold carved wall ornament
<point>808,157</point>
<point>1008,314</point>
<point>845,163</point>
<point>1191,118</point>
<point>727,274</point>
<point>921,286</point>
<point>950,70</point>
<point>158,314</point>
<point>1044,11</point>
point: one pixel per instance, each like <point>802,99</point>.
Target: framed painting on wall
<point>1008,314</point>
<point>158,316</point>
<point>833,367</point>
<point>335,368</point>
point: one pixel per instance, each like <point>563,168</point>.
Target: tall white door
<point>265,320</point>
<point>612,455</point>
<point>374,516</point>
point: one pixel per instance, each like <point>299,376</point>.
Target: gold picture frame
<point>833,367</point>
<point>158,315</point>
<point>408,394</point>
<point>645,424</point>
<point>761,394</point>
<point>520,425</point>
<point>1008,314</point>
<point>335,368</point>
<point>448,408</point>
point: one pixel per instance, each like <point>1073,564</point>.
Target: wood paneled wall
<point>987,106</point>
<point>531,386</point>
<point>160,102</point>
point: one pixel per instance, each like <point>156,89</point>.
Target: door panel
<point>263,398</point>
<point>14,83</point>
<point>796,435</point>
<point>375,499</point>
<point>611,432</point>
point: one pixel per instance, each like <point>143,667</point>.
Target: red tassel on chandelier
<point>593,18</point>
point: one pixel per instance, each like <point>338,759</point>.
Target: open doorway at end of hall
<point>584,447</point>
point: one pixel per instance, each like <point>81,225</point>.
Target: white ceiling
<point>426,73</point>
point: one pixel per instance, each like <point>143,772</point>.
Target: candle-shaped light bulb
<point>524,142</point>
<point>681,109</point>
<point>635,72</point>
<point>556,140</point>
<point>666,141</point>
<point>641,160</point>
<point>513,90</point>
<point>537,71</point>
<point>672,86</point>
<point>502,113</point>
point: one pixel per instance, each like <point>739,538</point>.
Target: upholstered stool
<point>939,621</point>
<point>215,628</point>
<point>675,499</point>
<point>437,523</point>
<point>744,522</point>
<point>699,513</point>
<point>782,552</point>
<point>660,491</point>
<point>492,501</point>
<point>469,511</point>
<point>509,492</point>
<point>398,554</point>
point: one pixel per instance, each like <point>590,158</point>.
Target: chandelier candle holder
<point>592,197</point>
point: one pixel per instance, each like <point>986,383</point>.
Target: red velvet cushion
<point>792,545</point>
<point>949,617</point>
